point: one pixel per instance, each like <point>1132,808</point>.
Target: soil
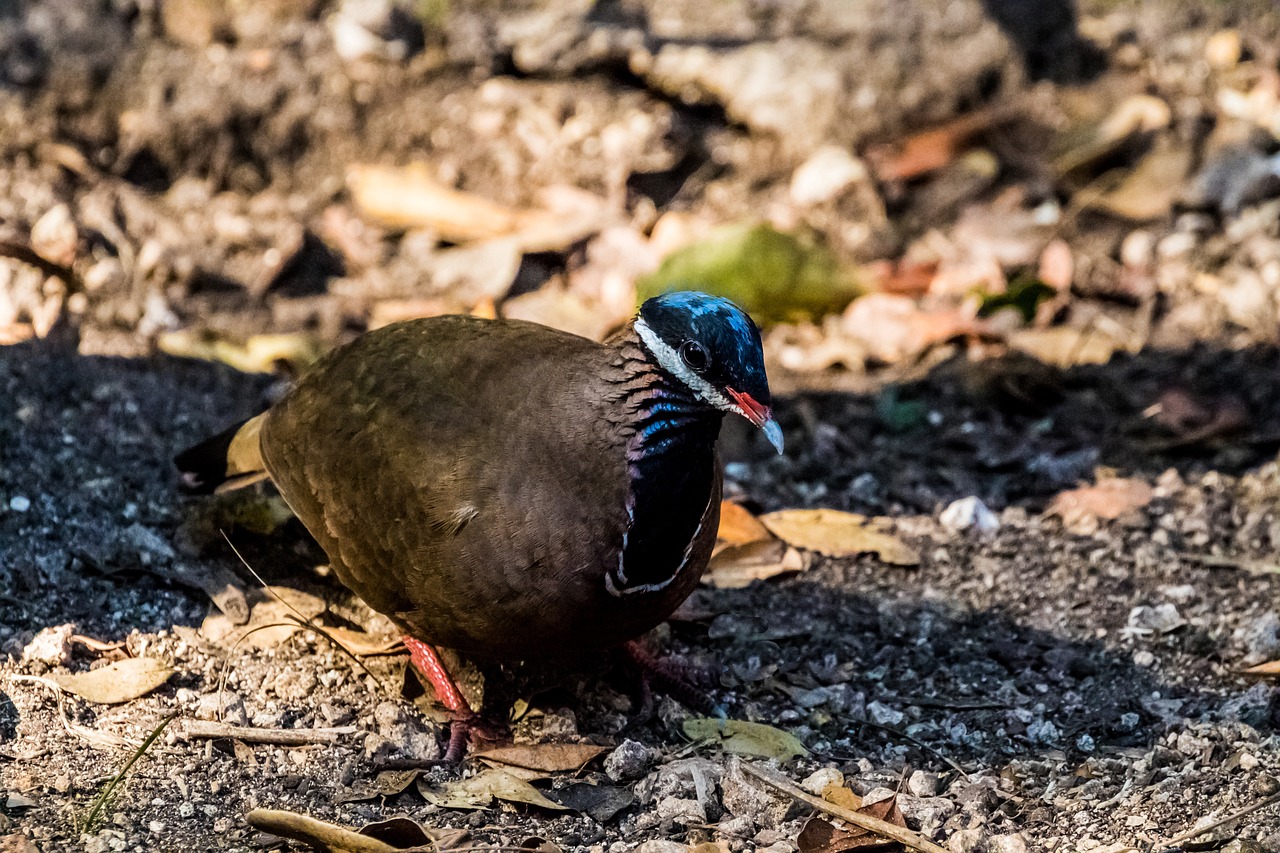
<point>1010,686</point>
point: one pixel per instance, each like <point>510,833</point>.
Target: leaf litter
<point>117,682</point>
<point>738,737</point>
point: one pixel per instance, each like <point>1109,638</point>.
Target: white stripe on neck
<point>671,361</point>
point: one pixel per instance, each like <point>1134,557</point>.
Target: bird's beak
<point>761,416</point>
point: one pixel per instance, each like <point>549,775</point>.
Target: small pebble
<point>19,503</point>
<point>629,760</point>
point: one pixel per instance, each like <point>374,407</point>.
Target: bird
<point>504,489</point>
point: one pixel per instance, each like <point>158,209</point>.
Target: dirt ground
<point>176,178</point>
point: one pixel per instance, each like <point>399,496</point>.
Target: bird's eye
<point>695,355</point>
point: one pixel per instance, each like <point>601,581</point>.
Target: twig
<point>899,733</point>
<point>1221,561</point>
<point>317,833</point>
<point>900,834</point>
<point>1200,830</point>
<point>278,737</point>
<point>104,795</point>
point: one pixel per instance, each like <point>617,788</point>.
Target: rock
<point>683,811</point>
<point>745,796</point>
<point>406,731</point>
<point>688,778</point>
<point>883,715</point>
<point>1010,843</point>
<point>923,784</point>
<point>151,548</point>
<point>1262,639</point>
<point>818,781</point>
<point>629,760</point>
<point>969,514</point>
<point>375,28</point>
<point>51,646</point>
<point>1162,618</point>
<point>978,798</point>
<point>54,236</point>
<point>968,841</point>
<point>925,813</point>
<point>789,87</point>
<point>225,706</point>
<point>827,173</point>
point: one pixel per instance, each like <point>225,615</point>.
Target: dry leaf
<point>838,534</point>
<point>739,737</point>
<point>738,566</point>
<point>738,526</point>
<point>933,149</point>
<point>841,796</point>
<point>117,682</point>
<point>388,836</point>
<point>893,328</point>
<point>410,197</point>
<point>17,843</point>
<point>547,757</point>
<point>1149,191</point>
<point>1081,509</point>
<point>1063,346</point>
<point>477,792</point>
<point>601,802</point>
<point>271,621</point>
<point>388,783</point>
<point>363,644</point>
<point>258,354</point>
<point>821,836</point>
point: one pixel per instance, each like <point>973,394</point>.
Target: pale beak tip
<point>773,432</point>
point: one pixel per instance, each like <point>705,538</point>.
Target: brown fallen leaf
<point>409,197</point>
<point>477,792</point>
<point>1195,422</point>
<point>739,737</point>
<point>738,566</point>
<point>842,796</point>
<point>738,526</point>
<point>1081,509</point>
<point>271,621</point>
<point>546,757</point>
<point>388,836</point>
<point>117,682</point>
<point>258,354</point>
<point>838,534</point>
<point>821,836</point>
<point>1150,190</point>
<point>388,783</point>
<point>935,148</point>
<point>364,644</point>
<point>893,328</point>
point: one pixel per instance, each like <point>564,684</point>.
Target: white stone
<point>827,173</point>
<point>818,781</point>
<point>968,513</point>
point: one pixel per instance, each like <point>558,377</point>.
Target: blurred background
<point>876,181</point>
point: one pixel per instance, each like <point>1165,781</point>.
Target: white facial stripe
<point>671,361</point>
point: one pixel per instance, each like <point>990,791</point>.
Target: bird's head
<point>712,347</point>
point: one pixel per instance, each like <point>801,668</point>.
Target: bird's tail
<point>229,460</point>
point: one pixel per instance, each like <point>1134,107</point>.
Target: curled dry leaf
<point>477,792</point>
<point>738,566</point>
<point>547,757</point>
<point>1268,669</point>
<point>388,783</point>
<point>114,683</point>
<point>1081,509</point>
<point>271,620</point>
<point>739,737</point>
<point>601,802</point>
<point>821,836</point>
<point>838,534</point>
<point>738,526</point>
<point>388,836</point>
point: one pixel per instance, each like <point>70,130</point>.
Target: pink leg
<point>671,678</point>
<point>427,662</point>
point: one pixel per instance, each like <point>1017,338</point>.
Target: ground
<point>177,177</point>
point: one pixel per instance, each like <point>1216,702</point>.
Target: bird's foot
<point>466,723</point>
<point>685,682</point>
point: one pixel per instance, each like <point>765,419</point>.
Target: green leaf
<point>742,738</point>
<point>774,276</point>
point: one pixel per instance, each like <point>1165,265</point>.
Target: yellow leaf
<point>117,682</point>
<point>838,534</point>
<point>738,566</point>
<point>742,738</point>
<point>739,527</point>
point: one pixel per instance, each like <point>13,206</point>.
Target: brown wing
<point>456,474</point>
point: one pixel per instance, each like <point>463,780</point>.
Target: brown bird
<point>505,489</point>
